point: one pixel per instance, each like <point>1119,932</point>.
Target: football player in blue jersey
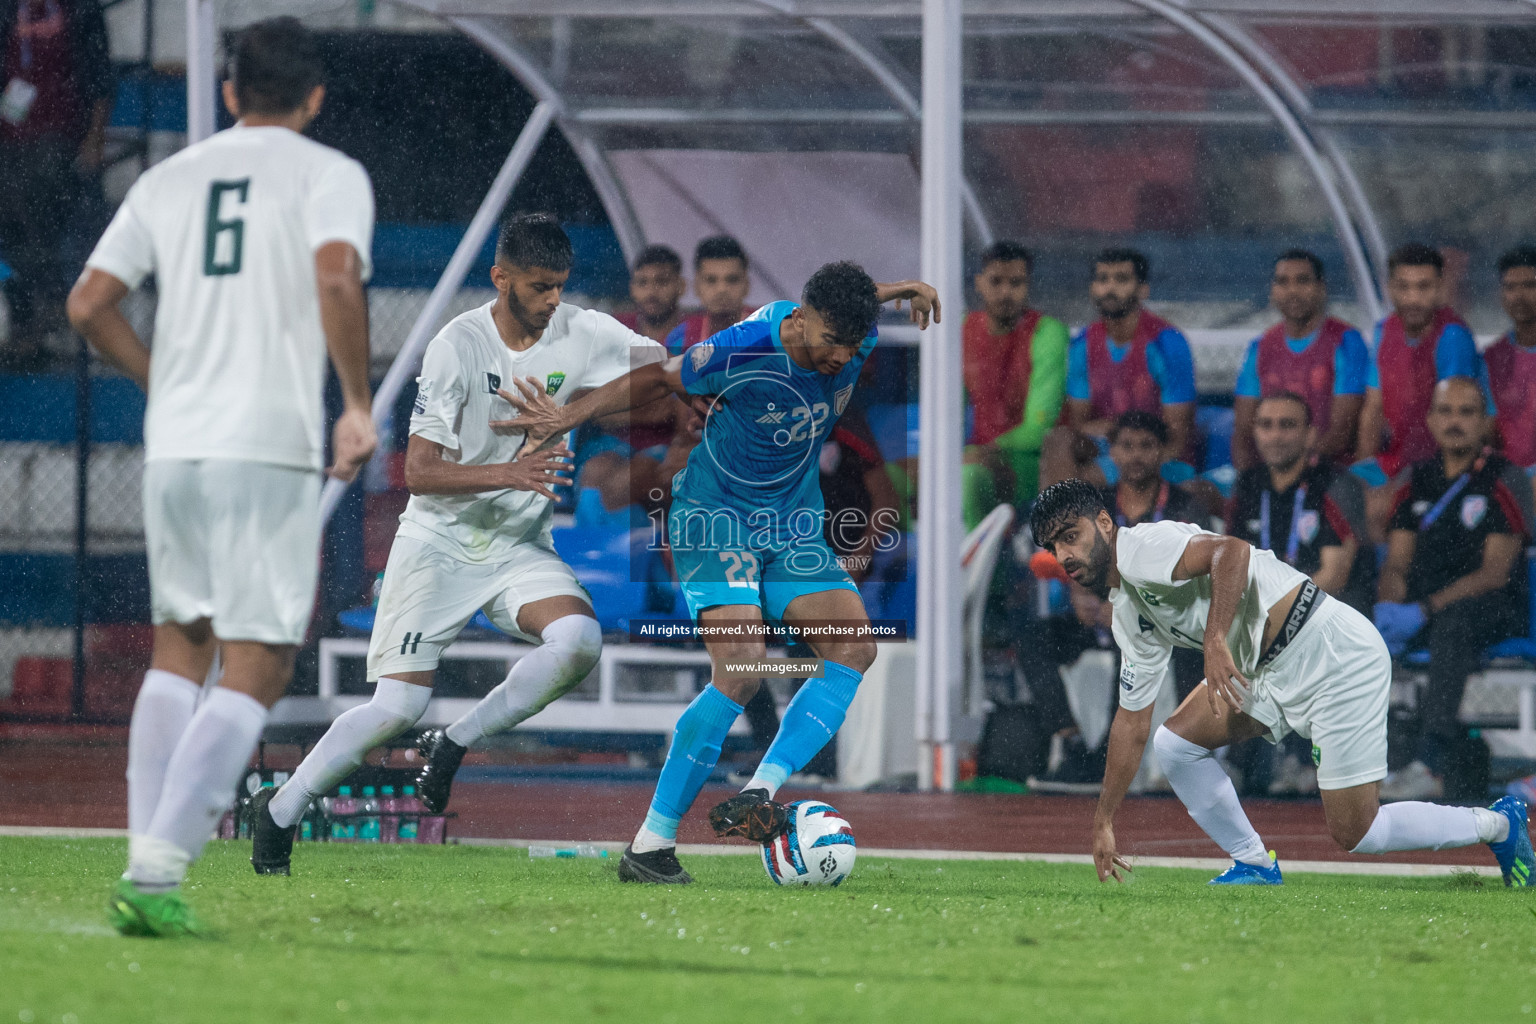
<point>746,532</point>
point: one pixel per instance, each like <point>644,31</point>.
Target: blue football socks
<point>810,722</point>
<point>695,749</point>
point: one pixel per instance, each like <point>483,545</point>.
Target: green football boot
<point>152,915</point>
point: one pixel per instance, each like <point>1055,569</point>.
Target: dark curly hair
<point>1063,503</point>
<point>845,297</point>
<point>534,240</point>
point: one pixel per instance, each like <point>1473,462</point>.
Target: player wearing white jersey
<point>258,240</point>
<point>1280,656</point>
<point>476,533</point>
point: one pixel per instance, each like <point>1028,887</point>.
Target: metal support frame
<point>1301,104</point>
<point>200,72</point>
<point>593,160</point>
<point>1349,236</point>
<point>480,228</point>
<point>941,406</point>
<point>871,55</point>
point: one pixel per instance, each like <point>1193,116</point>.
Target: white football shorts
<point>1331,684</point>
<point>428,596</point>
<point>233,541</point>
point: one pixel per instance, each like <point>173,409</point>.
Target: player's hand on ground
<point>540,471</point>
<point>353,440</point>
<point>537,414</point>
<point>1224,684</point>
<point>1106,861</point>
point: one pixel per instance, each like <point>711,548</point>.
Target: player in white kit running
<point>258,240</point>
<point>476,533</point>
<point>1280,656</point>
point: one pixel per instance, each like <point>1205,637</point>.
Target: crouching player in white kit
<point>258,240</point>
<point>1280,656</point>
<point>476,533</point>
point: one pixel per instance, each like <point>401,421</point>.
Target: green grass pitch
<point>469,934</point>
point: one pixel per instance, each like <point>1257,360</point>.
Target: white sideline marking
<point>1315,867</point>
<point>1318,867</point>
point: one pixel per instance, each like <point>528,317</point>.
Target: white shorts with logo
<point>1331,685</point>
<point>233,541</point>
<point>428,596</point>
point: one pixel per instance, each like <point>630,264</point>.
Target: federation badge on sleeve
<point>699,355</point>
<point>423,394</point>
<point>1473,508</point>
<point>840,400</point>
<point>1307,525</point>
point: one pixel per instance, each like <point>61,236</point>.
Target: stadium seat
<point>978,559</point>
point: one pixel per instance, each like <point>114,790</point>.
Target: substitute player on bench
<point>746,534</point>
<point>1280,656</point>
<point>476,533</point>
<point>258,240</point>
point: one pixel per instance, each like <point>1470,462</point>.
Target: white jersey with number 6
<point>1153,612</point>
<point>229,228</point>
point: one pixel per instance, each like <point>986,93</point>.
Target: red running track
<point>70,783</point>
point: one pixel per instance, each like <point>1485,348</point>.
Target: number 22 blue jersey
<point>763,437</point>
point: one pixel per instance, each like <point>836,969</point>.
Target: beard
<point>1095,575</point>
<point>1112,307</point>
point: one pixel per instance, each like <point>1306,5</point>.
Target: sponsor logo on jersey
<point>1307,525</point>
<point>840,400</point>
<point>700,354</point>
<point>771,417</point>
<point>492,383</point>
<point>552,383</point>
<point>1143,624</point>
<point>1473,508</point>
<point>423,394</point>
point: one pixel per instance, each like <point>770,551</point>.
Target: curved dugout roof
<point>1335,122</point>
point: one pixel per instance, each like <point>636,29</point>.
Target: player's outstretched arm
<point>924,299</point>
<point>1127,742</point>
<point>93,311</point>
<point>344,319</point>
<point>544,422</point>
<point>427,472</point>
<point>1225,561</point>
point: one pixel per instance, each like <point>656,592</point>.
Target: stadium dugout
<point>697,116</point>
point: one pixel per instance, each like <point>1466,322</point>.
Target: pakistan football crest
<point>552,383</point>
<point>1473,508</point>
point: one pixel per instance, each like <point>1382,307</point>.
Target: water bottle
<point>389,821</point>
<point>579,850</point>
<point>368,825</point>
<point>410,809</point>
<point>343,828</point>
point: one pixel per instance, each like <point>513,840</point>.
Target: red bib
<point>696,327</point>
<point>1118,388</point>
<point>997,374</point>
<point>1512,377</point>
<point>1407,375</point>
<point>1308,373</point>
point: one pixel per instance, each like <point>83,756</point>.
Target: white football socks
<point>161,712</point>
<point>647,841</point>
<point>1209,796</point>
<point>1417,825</point>
<point>395,707</point>
<point>200,780</point>
<point>571,646</point>
<point>769,777</point>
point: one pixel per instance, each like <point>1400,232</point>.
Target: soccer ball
<point>817,848</point>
